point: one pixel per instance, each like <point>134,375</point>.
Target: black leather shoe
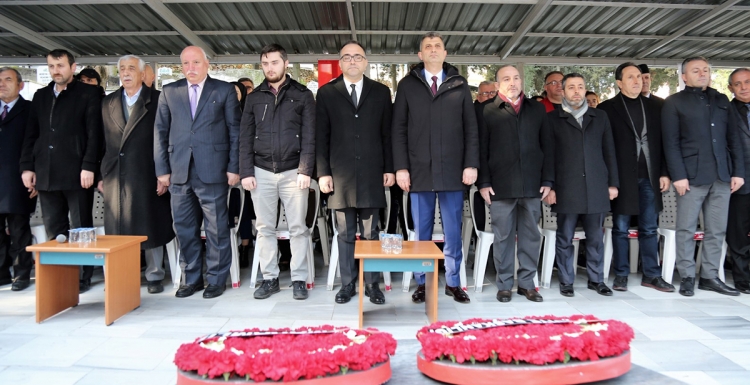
<point>187,290</point>
<point>530,294</point>
<point>267,287</point>
<point>504,295</point>
<point>620,284</point>
<point>686,286</point>
<point>657,283</point>
<point>346,292</point>
<point>715,284</point>
<point>458,295</point>
<point>418,295</point>
<point>213,291</point>
<point>299,290</point>
<point>84,286</point>
<point>567,290</point>
<point>245,256</point>
<point>373,291</point>
<point>6,281</point>
<point>155,287</point>
<point>600,288</point>
<point>20,284</point>
<point>742,287</point>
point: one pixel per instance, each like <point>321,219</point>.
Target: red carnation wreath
<point>285,354</point>
<point>536,340</point>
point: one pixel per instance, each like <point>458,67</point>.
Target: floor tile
<point>684,356</point>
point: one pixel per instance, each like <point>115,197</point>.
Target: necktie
<point>5,112</point>
<point>354,94</point>
<point>193,100</point>
<point>433,88</point>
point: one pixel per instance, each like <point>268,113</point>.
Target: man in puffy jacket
<point>277,157</point>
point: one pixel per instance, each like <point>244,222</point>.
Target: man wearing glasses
<point>554,90</point>
<point>354,159</point>
<point>485,95</point>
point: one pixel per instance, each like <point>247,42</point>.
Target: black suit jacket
<point>744,138</point>
<point>353,143</point>
<point>14,198</point>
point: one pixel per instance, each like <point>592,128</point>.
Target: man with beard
<point>277,158</point>
<point>706,163</point>
<point>61,150</point>
<point>585,181</point>
<point>515,172</point>
<point>135,202</point>
<point>436,152</point>
<point>196,156</point>
<point>636,128</point>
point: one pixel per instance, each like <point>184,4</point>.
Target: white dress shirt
<point>357,86</point>
<point>428,76</point>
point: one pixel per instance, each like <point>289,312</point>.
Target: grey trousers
<point>511,218</point>
<point>713,199</point>
<point>154,264</point>
<point>273,187</point>
<point>347,222</point>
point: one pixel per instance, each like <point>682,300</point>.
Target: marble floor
<point>700,340</point>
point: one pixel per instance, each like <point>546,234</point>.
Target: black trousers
<point>348,220</point>
<point>66,209</point>
<point>593,228</point>
<point>738,236</point>
<point>14,245</point>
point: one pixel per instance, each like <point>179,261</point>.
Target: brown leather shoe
<point>418,296</point>
<point>458,295</point>
<point>504,295</point>
<point>530,294</point>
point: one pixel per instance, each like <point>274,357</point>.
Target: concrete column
<point>681,84</point>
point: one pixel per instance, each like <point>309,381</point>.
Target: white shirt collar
<point>131,100</point>
<point>10,105</point>
<point>428,76</point>
<point>357,86</point>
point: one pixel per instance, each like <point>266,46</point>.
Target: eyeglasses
<point>553,83</point>
<point>490,93</point>
<point>356,58</point>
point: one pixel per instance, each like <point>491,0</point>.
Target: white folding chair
<point>98,213</point>
<point>38,232</point>
<point>234,269</point>
<point>549,232</point>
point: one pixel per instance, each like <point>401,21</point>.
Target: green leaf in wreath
<point>493,356</point>
<point>442,356</point>
<point>226,376</point>
<point>344,369</point>
<point>247,377</point>
<point>567,357</point>
<point>205,376</point>
<point>453,358</point>
<point>473,361</point>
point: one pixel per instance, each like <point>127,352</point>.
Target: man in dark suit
<point>585,181</point>
<point>16,201</point>
<point>135,202</point>
<point>436,152</point>
<point>196,155</point>
<point>646,86</point>
<point>61,150</point>
<point>738,226</point>
<point>353,152</point>
<point>636,127</point>
<point>705,161</point>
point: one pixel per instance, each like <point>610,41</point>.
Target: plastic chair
<point>234,269</point>
<point>98,213</point>
<point>38,231</point>
<point>549,233</point>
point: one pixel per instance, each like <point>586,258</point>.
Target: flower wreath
<point>535,340</point>
<point>285,354</point>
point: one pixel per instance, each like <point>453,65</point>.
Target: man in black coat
<point>646,87</point>
<point>705,161</point>
<point>436,152</point>
<point>16,201</point>
<point>636,127</point>
<point>353,152</point>
<point>585,181</point>
<point>515,171</point>
<point>738,225</point>
<point>135,202</point>
<point>61,150</point>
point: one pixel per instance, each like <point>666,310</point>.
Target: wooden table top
<point>103,244</point>
<point>410,250</point>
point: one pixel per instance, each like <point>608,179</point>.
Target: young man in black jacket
<point>515,172</point>
<point>277,157</point>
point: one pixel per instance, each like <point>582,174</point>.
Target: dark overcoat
<point>14,197</point>
<point>585,162</point>
<point>744,139</point>
<point>435,137</point>
<point>353,143</point>
<point>626,202</point>
<point>131,206</point>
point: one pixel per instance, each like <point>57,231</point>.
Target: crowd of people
<point>163,162</point>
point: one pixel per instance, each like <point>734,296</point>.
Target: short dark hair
<point>59,53</point>
<point>621,67</point>
<point>550,74</point>
<point>352,42</point>
<point>91,74</point>
<point>591,93</point>
<point>246,80</point>
<point>572,75</point>
<point>738,70</point>
<point>431,35</point>
<point>644,68</point>
<point>690,59</point>
<point>273,48</point>
<point>19,79</point>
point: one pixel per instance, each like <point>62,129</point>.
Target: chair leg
<point>669,255</point>
<point>467,230</point>
<point>234,268</point>
<point>256,267</point>
<point>481,257</point>
<point>333,263</point>
<point>548,259</point>
<point>173,254</point>
<point>310,264</point>
<point>722,277</point>
<point>324,245</point>
<point>387,280</point>
<point>406,281</point>
<point>607,252</point>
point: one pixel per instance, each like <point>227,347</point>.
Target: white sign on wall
<point>42,75</point>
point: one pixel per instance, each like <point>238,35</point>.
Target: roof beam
<point>525,26</point>
<point>172,19</point>
<point>350,11</point>
<point>32,36</point>
<point>689,27</point>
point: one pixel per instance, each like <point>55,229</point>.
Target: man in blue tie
<point>196,154</point>
<point>436,152</point>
